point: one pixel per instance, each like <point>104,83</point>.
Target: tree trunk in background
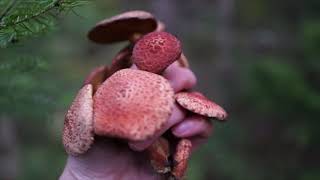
<point>8,150</point>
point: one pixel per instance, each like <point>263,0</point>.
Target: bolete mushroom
<point>181,158</point>
<point>132,104</point>
<point>199,104</point>
<point>155,51</point>
<point>159,153</point>
<point>78,125</point>
<point>126,26</point>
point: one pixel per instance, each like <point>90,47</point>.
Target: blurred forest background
<point>260,59</point>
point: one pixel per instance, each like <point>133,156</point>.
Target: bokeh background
<point>260,59</point>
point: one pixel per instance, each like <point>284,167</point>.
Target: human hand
<point>113,159</point>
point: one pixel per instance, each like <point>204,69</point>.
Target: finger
<point>180,78</point>
<point>178,114</point>
<point>194,125</point>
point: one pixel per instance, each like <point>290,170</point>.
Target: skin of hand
<point>113,159</point>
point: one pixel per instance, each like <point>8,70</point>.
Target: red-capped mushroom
<point>198,103</point>
<point>78,125</point>
<point>97,76</point>
<point>155,51</point>
<point>123,27</point>
<point>132,104</point>
<point>181,158</point>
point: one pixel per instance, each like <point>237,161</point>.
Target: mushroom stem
<point>183,61</point>
<point>135,37</point>
<point>159,153</point>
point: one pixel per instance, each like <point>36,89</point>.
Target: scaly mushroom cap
<point>97,76</point>
<point>78,124</point>
<point>132,104</point>
<point>155,51</point>
<point>123,27</point>
<point>197,103</point>
<point>181,158</point>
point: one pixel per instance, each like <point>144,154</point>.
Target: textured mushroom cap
<point>197,103</point>
<point>156,51</point>
<point>78,124</point>
<point>132,104</point>
<point>181,158</point>
<point>97,76</point>
<point>123,27</point>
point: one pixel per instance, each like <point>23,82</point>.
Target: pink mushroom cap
<point>78,125</point>
<point>132,104</point>
<point>155,51</point>
<point>198,103</point>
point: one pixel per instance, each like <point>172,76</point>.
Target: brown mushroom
<point>155,51</point>
<point>122,60</point>
<point>126,26</point>
<point>181,158</point>
<point>78,125</point>
<point>159,153</point>
<point>97,76</point>
<point>132,104</point>
<point>198,103</point>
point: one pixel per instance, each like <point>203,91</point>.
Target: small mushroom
<point>126,26</point>
<point>155,51</point>
<point>78,125</point>
<point>132,104</point>
<point>198,103</point>
<point>159,153</point>
<point>97,76</point>
<point>181,158</point>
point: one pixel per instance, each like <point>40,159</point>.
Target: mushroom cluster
<point>131,104</point>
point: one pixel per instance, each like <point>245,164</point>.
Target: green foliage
<point>287,83</point>
<point>22,88</point>
<point>24,18</point>
<point>22,84</point>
